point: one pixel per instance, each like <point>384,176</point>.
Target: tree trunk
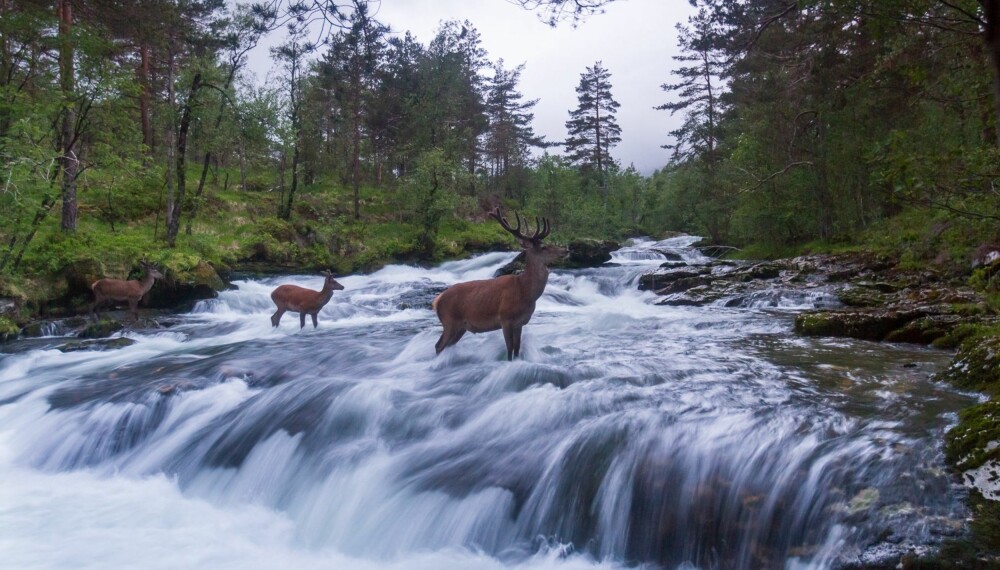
<point>208,154</point>
<point>171,137</point>
<point>174,215</point>
<point>356,156</point>
<point>68,161</point>
<point>147,129</point>
<point>991,9</point>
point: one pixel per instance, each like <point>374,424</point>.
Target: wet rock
<point>925,330</point>
<point>580,254</point>
<point>80,275</point>
<point>659,280</point>
<point>670,256</point>
<point>977,364</point>
<point>516,265</point>
<point>419,299</point>
<point>101,329</point>
<point>54,327</point>
<point>863,325</point>
<point>861,297</point>
<point>587,253</point>
<point>696,296</point>
<point>9,307</point>
<point>96,344</point>
<point>185,285</point>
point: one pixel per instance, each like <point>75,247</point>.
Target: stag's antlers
<point>542,227</point>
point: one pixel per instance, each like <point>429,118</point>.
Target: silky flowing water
<point>628,434</point>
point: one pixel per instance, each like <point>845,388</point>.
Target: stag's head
<point>532,243</point>
<point>330,282</point>
<point>151,269</point>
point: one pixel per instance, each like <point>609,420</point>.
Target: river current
<point>627,434</point>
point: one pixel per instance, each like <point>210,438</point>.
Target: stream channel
<point>628,434</point>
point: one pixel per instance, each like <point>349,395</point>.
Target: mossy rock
<point>588,253</point>
<point>81,274</point>
<point>760,271</point>
<point>657,281</point>
<point>101,329</point>
<point>8,329</point>
<point>96,344</point>
<point>977,365</point>
<point>861,297</point>
<point>862,325</point>
<point>926,330</point>
<point>187,279</point>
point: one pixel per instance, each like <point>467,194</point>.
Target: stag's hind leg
<point>93,310</point>
<point>448,338</point>
<point>302,320</point>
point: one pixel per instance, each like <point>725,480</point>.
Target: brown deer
<point>506,302</point>
<point>119,290</point>
<point>303,301</point>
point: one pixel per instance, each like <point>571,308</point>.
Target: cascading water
<point>627,434</point>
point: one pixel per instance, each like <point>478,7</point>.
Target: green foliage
<point>8,329</point>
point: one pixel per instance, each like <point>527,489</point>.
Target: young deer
<point>506,302</point>
<point>303,301</point>
<point>119,290</point>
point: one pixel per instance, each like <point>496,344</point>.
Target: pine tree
<point>699,91</point>
<point>510,134</point>
<point>593,129</point>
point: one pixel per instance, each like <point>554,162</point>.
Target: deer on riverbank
<point>303,301</point>
<point>120,290</point>
<point>506,302</point>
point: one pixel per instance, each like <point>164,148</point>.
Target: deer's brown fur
<point>506,302</point>
<point>303,301</point>
<point>121,290</point>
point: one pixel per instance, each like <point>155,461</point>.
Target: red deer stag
<point>303,301</point>
<point>119,290</point>
<point>506,302</point>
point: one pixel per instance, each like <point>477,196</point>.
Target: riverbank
<point>877,298</point>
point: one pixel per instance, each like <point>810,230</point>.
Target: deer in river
<point>121,290</point>
<point>506,302</point>
<point>303,301</point>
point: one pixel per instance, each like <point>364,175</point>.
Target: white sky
<point>634,39</point>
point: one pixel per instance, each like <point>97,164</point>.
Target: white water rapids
<point>628,433</point>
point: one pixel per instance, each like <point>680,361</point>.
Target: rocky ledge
<point>580,254</point>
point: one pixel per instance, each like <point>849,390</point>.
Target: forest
<point>785,355</point>
<point>807,126</point>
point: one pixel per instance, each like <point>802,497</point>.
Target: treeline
<point>130,114</point>
<point>802,121</point>
<point>820,119</point>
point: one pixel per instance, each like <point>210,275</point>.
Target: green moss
<point>8,329</point>
<point>876,325</point>
<point>968,444</point>
<point>977,365</point>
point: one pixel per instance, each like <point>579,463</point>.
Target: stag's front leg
<point>315,322</point>
<point>517,342</point>
<point>276,317</point>
<point>134,307</point>
<point>508,339</point>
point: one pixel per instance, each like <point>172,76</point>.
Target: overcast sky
<point>634,39</point>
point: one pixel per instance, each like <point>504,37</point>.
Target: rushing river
<point>628,433</point>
